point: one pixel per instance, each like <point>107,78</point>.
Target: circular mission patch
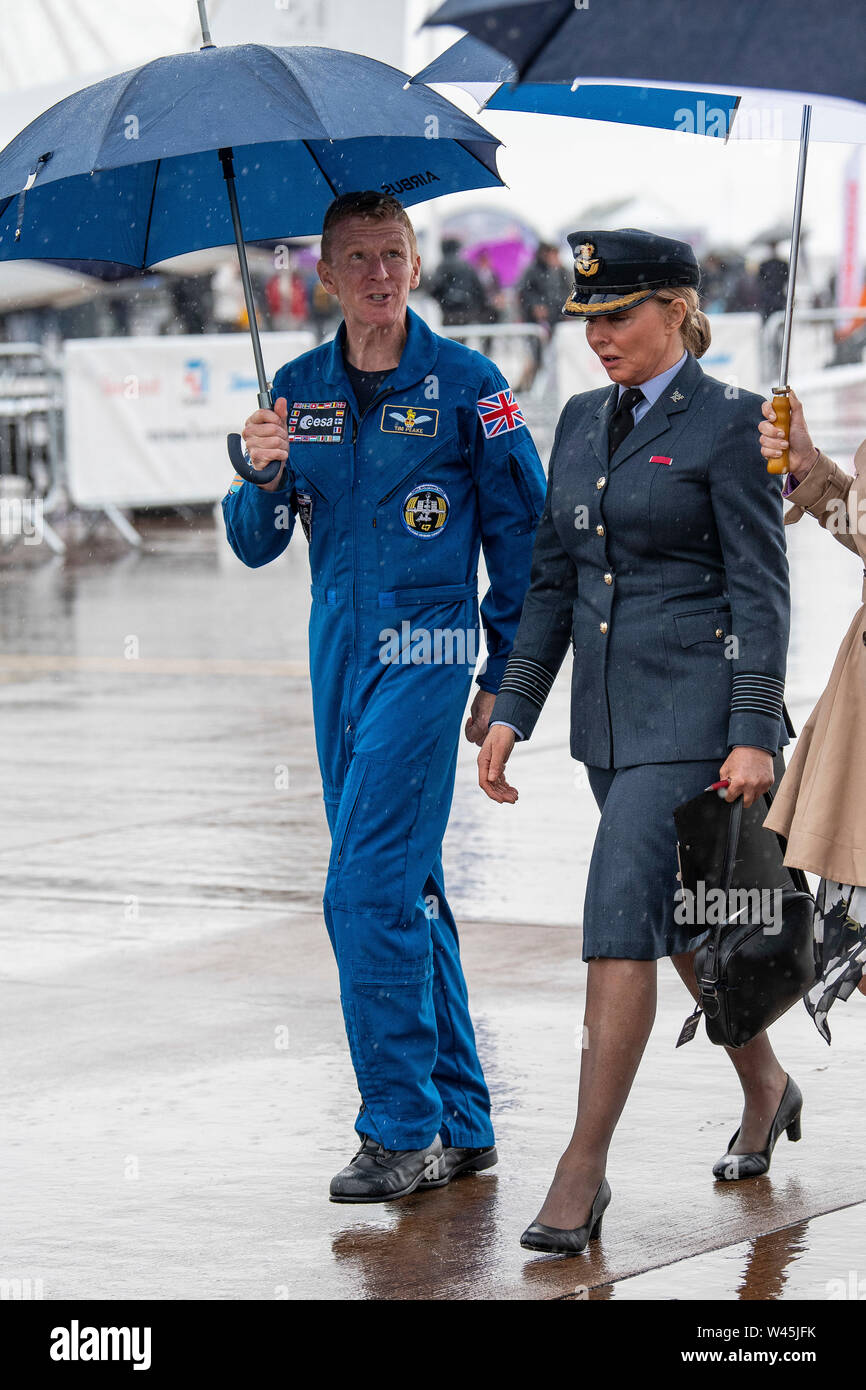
<point>425,511</point>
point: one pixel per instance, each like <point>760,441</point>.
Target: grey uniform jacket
<point>665,569</point>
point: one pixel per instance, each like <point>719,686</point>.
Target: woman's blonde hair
<point>695,327</point>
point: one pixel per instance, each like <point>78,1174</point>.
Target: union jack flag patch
<point>499,414</point>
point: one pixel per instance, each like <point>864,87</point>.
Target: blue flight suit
<point>396,504</point>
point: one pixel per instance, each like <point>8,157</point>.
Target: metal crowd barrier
<point>31,405</point>
<point>530,373</point>
<point>828,375</point>
<point>819,349</point>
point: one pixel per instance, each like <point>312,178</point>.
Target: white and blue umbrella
<point>810,55</point>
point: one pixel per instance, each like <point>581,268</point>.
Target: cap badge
<point>677,396</point>
<point>583,262</point>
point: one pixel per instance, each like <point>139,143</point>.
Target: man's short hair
<point>381,207</point>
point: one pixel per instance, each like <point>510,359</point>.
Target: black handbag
<point>760,958</point>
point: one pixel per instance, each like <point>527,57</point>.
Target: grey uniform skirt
<point>630,892</point>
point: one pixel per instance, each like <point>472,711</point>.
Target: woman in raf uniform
<point>660,557</point>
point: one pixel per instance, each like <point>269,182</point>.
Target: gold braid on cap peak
<point>609,306</point>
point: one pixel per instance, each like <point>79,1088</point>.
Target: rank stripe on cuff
<point>757,694</point>
<point>527,678</point>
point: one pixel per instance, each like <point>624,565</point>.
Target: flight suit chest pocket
<point>709,625</point>
<point>324,468</point>
<point>418,518</point>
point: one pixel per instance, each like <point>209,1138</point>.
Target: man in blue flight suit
<point>405,453</point>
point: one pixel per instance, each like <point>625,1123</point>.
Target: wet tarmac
<point>177,1090</point>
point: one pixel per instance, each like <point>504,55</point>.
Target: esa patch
<point>499,414</point>
<point>317,422</point>
<point>425,511</point>
<point>409,419</point>
<point>304,504</point>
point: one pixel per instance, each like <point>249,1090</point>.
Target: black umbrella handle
<point>259,476</point>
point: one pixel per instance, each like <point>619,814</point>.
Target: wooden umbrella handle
<point>782,407</point>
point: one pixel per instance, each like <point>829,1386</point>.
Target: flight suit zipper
<point>344,837</point>
<point>357,422</point>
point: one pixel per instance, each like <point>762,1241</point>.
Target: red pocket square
<point>660,458</point>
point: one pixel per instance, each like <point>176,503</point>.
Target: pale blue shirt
<point>652,389</point>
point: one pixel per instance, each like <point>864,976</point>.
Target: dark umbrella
<point>818,48</point>
<point>819,53</point>
<point>492,79</point>
<point>136,168</point>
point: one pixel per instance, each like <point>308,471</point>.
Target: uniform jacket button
<point>602,627</point>
<point>599,530</point>
<point>600,484</point>
<point>720,632</point>
<point>608,579</point>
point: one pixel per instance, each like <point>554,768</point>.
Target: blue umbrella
<point>493,80</point>
<point>812,53</point>
<point>136,168</point>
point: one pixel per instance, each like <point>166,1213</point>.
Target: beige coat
<point>821,803</point>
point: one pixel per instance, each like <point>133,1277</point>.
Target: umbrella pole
<point>781,402</point>
<point>206,40</point>
<point>235,448</point>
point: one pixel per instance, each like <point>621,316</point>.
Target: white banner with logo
<point>147,418</point>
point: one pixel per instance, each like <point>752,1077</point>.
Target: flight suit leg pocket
<point>372,845</point>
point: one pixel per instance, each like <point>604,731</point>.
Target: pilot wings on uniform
<point>409,419</point>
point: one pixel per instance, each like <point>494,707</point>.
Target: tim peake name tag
<point>317,422</point>
<point>409,419</point>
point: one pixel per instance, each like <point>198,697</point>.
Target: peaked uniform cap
<point>617,270</point>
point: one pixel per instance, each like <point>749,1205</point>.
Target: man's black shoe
<point>456,1161</point>
<point>377,1174</point>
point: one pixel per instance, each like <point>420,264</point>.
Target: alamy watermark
<point>22,518</point>
<point>421,646</point>
<point>713,907</point>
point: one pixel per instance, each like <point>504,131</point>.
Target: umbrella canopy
<point>492,79</point>
<point>816,49</point>
<point>818,55</point>
<point>508,258</point>
<point>198,149</point>
<point>721,112</point>
<point>127,170</point>
<point>35,284</point>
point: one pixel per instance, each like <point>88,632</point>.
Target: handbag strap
<point>734,826</point>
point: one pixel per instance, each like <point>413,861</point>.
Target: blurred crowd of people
<point>465,284</point>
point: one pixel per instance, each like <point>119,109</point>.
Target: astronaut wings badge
<point>586,262</point>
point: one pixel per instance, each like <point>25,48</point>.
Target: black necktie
<point>622,420</point>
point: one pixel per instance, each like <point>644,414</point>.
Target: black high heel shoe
<point>553,1241</point>
<point>731,1167</point>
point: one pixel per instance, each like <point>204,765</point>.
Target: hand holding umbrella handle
<point>782,408</point>
<point>259,476</point>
